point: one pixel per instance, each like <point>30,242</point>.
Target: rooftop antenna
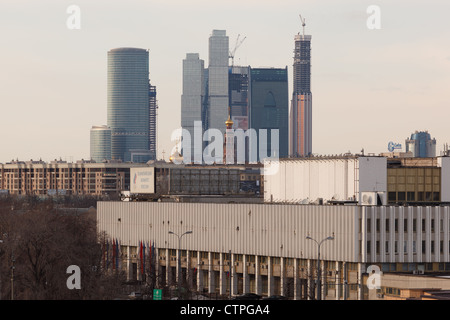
<point>303,23</point>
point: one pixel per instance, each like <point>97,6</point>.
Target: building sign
<point>142,180</point>
<point>157,294</point>
<point>392,146</point>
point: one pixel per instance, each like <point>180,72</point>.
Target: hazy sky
<point>369,86</point>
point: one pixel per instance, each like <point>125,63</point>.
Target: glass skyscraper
<point>218,80</point>
<point>269,107</point>
<point>192,99</point>
<point>421,145</point>
<point>128,102</point>
<point>100,143</point>
<point>301,104</point>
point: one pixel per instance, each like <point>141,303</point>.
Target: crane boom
<point>236,46</point>
<point>303,23</point>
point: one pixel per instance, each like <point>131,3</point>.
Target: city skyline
<point>370,86</point>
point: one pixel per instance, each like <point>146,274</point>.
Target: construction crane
<point>303,23</point>
<point>236,46</point>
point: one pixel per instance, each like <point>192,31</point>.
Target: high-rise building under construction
<point>301,104</point>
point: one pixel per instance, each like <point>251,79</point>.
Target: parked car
<point>275,297</point>
<point>135,296</point>
<point>247,296</point>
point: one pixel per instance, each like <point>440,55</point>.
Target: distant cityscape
<point>251,229</point>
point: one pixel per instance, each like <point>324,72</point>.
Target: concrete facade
<point>263,249</point>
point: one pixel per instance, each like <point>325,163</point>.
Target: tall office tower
<point>238,96</point>
<point>128,104</point>
<point>192,100</point>
<point>301,105</point>
<point>100,143</point>
<point>218,80</point>
<point>421,145</point>
<point>269,108</point>
<point>152,114</point>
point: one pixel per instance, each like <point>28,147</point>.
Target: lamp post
<point>179,257</point>
<point>319,286</point>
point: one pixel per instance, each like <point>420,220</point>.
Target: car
<point>135,296</point>
<point>275,297</point>
<point>247,296</point>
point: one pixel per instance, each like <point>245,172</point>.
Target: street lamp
<point>319,286</point>
<point>179,257</point>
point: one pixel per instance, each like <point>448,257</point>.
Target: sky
<point>369,86</point>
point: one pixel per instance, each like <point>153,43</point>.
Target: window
<point>392,196</point>
<point>387,246</point>
<point>378,225</point>
<point>414,225</point>
<point>411,196</point>
<point>420,196</point>
<point>369,225</point>
<point>423,225</point>
<point>423,247</point>
<point>401,196</point>
<point>387,225</point>
<point>396,225</point>
<point>432,225</point>
<point>377,244</point>
<point>368,247</point>
<point>405,225</point>
<point>436,196</point>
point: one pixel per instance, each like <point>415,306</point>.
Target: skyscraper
<point>192,98</point>
<point>238,91</point>
<point>128,99</point>
<point>421,145</point>
<point>301,104</point>
<point>100,143</point>
<point>218,80</point>
<point>269,109</point>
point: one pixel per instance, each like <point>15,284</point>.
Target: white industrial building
<point>262,248</point>
<point>362,179</point>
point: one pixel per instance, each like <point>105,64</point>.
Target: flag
<point>140,257</point>
<point>117,254</point>
<point>107,254</point>
<point>113,254</point>
<point>143,258</point>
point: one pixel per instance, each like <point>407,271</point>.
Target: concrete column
<point>310,281</point>
<point>282,276</point>
<point>246,284</point>
<point>361,270</point>
<point>188,269</point>
<point>323,280</point>
<point>270,280</point>
<point>129,271</point>
<point>211,276</point>
<point>199,274</point>
<point>258,279</point>
<point>337,281</point>
<point>177,268</point>
<point>168,273</point>
<point>234,279</point>
<point>222,276</point>
<point>296,280</point>
<point>157,268</point>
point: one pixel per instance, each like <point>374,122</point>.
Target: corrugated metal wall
<point>254,229</point>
